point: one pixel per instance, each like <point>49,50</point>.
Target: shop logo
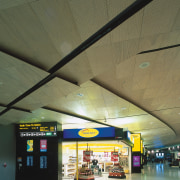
<point>88,133</point>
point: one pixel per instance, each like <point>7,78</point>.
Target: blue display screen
<point>29,160</point>
<point>89,133</point>
<point>43,162</point>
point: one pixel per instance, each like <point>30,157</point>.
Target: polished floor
<point>151,171</point>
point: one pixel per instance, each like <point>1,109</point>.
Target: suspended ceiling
<point>128,78</point>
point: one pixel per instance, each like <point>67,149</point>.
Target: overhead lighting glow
<point>144,65</point>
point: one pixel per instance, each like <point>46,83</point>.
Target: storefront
<point>101,150</point>
<point>42,151</point>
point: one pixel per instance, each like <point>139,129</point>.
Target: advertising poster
<point>86,156</point>
<point>136,161</point>
<point>124,151</point>
<point>114,156</point>
<point>29,160</point>
<point>43,162</point>
<point>43,145</point>
<point>29,145</point>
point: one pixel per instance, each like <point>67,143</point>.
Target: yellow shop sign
<point>88,133</point>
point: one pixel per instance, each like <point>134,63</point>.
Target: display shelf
<point>108,166</point>
<point>70,167</point>
<point>72,159</point>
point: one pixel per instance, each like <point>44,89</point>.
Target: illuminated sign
<point>142,148</point>
<point>159,155</point>
<point>89,133</point>
<point>136,161</point>
<point>137,142</point>
<point>29,145</point>
<point>43,145</point>
<point>37,129</point>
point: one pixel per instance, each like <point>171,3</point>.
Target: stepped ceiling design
<point>92,64</point>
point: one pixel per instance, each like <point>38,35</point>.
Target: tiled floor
<point>152,171</point>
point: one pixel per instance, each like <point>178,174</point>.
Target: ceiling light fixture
<point>80,94</point>
<point>144,65</point>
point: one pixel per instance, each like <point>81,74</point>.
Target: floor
<point>152,171</point>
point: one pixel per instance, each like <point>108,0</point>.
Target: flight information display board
<point>42,129</point>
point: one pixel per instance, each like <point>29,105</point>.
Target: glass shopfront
<point>98,156</point>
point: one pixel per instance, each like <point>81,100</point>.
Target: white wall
<point>7,152</point>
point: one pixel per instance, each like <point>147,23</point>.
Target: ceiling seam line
<point>120,18</point>
<point>159,49</point>
<point>149,112</point>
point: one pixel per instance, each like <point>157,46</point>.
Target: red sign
<point>43,145</point>
<point>86,156</point>
<point>114,156</point>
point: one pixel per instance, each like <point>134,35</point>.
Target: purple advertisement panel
<point>136,161</point>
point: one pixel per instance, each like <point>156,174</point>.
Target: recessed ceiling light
<point>144,65</point>
<point>80,94</point>
<point>42,117</point>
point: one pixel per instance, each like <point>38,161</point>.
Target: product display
<point>70,167</point>
<point>85,173</point>
<point>117,172</point>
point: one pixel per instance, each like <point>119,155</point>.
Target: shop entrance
<point>99,157</point>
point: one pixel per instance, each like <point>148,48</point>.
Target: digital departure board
<point>42,129</point>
